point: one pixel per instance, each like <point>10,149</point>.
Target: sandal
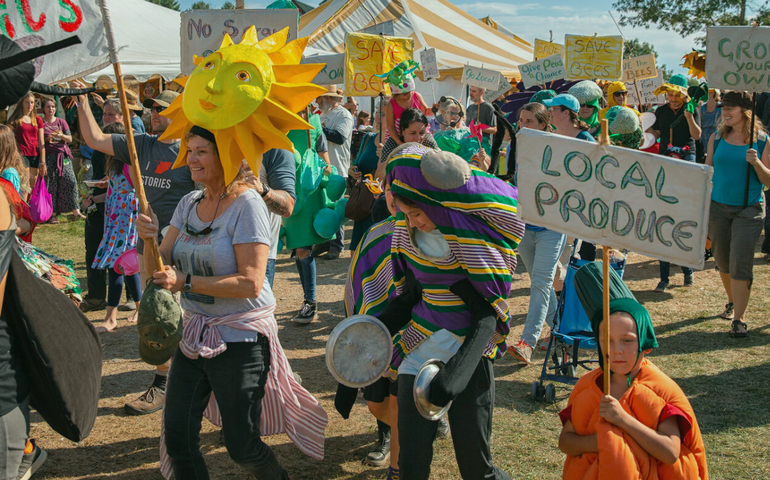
<point>53,220</point>
<point>728,313</point>
<point>739,330</point>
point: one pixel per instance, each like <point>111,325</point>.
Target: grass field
<point>726,380</point>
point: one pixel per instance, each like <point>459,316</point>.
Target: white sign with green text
<point>614,196</point>
<point>738,58</point>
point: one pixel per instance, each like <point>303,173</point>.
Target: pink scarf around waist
<point>286,407</point>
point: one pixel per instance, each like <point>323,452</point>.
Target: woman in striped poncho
<point>452,253</point>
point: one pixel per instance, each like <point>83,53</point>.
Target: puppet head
<point>625,129</point>
<point>400,77</point>
<point>247,94</point>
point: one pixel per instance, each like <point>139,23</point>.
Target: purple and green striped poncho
<point>477,217</point>
<point>370,285</point>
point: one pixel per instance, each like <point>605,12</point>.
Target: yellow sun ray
<point>248,95</point>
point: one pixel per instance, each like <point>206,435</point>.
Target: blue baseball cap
<point>564,100</point>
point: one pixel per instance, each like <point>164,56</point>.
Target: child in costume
<point>120,208</point>
<point>646,428</point>
<point>452,254</point>
<point>404,97</point>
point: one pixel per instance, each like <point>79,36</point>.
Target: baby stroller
<point>571,332</point>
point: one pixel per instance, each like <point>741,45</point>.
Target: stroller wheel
<point>550,393</point>
<point>571,371</point>
<point>534,390</point>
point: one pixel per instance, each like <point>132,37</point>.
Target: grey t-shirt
<point>483,113</point>
<point>245,221</point>
<point>163,185</point>
<point>278,172</point>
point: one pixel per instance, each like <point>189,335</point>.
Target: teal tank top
<point>730,174</point>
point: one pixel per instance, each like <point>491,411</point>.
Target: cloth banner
<point>542,71</point>
<point>367,56</point>
<point>738,58</point>
<point>615,196</point>
<point>202,31</point>
<point>334,71</point>
<point>32,23</point>
<point>639,68</point>
<point>546,49</point>
<point>590,58</point>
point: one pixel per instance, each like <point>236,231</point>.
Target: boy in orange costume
<point>646,429</point>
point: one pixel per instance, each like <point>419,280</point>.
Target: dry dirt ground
<point>726,380</point>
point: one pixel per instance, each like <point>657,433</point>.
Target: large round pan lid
<point>359,351</point>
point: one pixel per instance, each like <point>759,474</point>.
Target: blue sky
<point>529,20</point>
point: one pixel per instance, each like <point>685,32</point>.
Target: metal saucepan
<point>422,388</point>
<point>359,351</point>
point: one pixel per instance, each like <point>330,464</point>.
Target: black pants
<point>470,419</point>
<point>97,279</point>
<point>766,241</point>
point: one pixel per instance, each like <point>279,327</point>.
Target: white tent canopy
<point>458,37</point>
<point>149,37</point>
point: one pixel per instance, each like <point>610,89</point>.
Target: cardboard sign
<point>367,56</point>
<point>546,49</point>
<point>385,28</point>
<point>428,63</point>
<point>490,95</point>
<point>639,68</point>
<point>202,31</point>
<point>738,58</point>
<point>646,88</point>
<point>615,196</point>
<point>482,78</point>
<point>590,58</point>
<point>34,23</point>
<point>541,71</point>
<point>334,71</point>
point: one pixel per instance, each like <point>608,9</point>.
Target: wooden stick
<point>145,207</point>
<point>606,316</point>
<point>751,145</point>
<point>604,139</point>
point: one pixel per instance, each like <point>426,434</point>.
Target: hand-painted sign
<point>334,71</point>
<point>639,68</point>
<point>615,196</point>
<point>546,49</point>
<point>591,58</point>
<point>367,56</point>
<point>482,78</point>
<point>542,71</point>
<point>202,31</point>
<point>738,58</point>
<point>646,88</point>
<point>428,63</point>
<point>33,23</point>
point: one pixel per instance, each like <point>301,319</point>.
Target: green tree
<point>227,6</point>
<point>687,17</point>
<point>172,4</point>
<point>200,6</point>
<point>637,48</point>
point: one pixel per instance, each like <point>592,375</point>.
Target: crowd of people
<point>434,268</point>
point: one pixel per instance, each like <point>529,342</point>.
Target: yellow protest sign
<point>367,56</point>
<point>546,49</point>
<point>591,58</point>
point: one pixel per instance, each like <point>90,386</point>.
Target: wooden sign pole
<point>605,140</point>
<point>145,207</point>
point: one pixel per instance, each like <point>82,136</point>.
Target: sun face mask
<point>247,94</point>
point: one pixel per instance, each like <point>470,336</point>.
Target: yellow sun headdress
<point>247,95</point>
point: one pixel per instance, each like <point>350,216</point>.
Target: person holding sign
<point>540,250</point>
<point>735,223</point>
<point>678,127</point>
<point>482,112</point>
<point>646,427</point>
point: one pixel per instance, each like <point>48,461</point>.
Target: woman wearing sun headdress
<point>238,103</point>
<point>452,255</point>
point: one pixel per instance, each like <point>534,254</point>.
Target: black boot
<point>380,454</point>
